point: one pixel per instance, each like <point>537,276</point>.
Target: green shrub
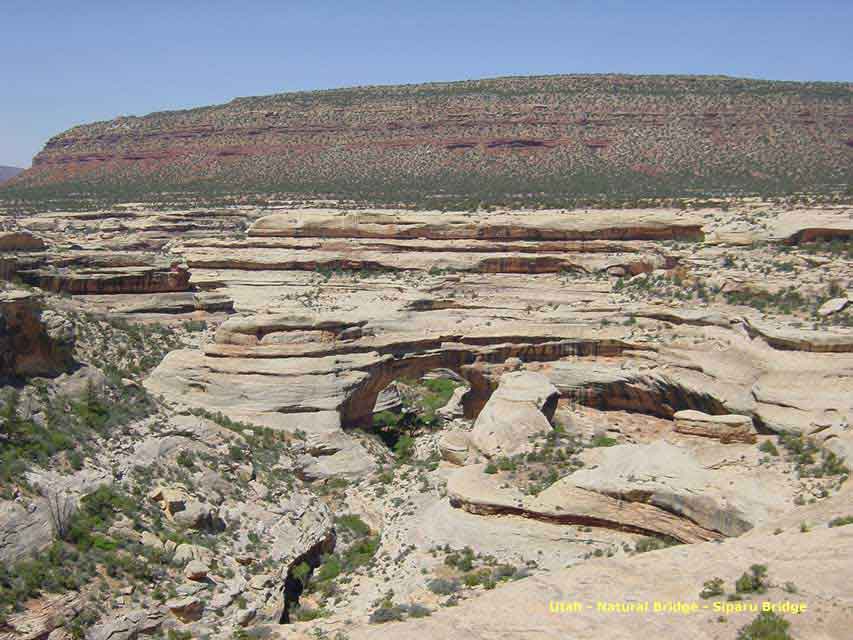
<point>442,587</point>
<point>755,581</point>
<point>305,614</point>
<point>841,521</point>
<point>301,572</point>
<point>769,448</point>
<point>360,553</point>
<point>603,441</point>
<point>387,613</point>
<point>194,326</point>
<point>353,524</point>
<point>653,544</point>
<point>330,569</point>
<point>712,588</point>
<point>186,459</point>
<point>766,626</point>
<point>404,447</point>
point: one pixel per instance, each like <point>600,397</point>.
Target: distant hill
<point>9,172</point>
<point>533,137</point>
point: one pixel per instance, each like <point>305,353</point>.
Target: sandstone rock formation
<point>345,402</point>
<point>814,562</point>
<point>522,406</point>
<point>32,341</point>
<point>725,428</point>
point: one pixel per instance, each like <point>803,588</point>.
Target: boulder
<point>127,626</point>
<point>389,399</point>
<point>171,499</point>
<point>198,515</point>
<point>454,407</point>
<point>186,609</point>
<point>149,539</point>
<point>185,553</point>
<point>521,407</point>
<point>351,461</point>
<point>833,306</point>
<point>725,428</point>
<point>196,570</point>
<point>454,446</point>
<point>186,511</point>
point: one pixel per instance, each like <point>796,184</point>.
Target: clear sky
<point>64,63</point>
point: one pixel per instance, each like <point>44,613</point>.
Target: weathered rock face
<point>521,407</point>
<point>549,242</point>
<point>476,492</point>
<point>795,228</point>
<point>20,241</point>
<point>725,428</point>
<point>32,342</point>
<point>8,267</point>
<point>505,227</point>
<point>130,279</point>
<point>129,626</point>
<point>677,480</point>
<point>179,302</point>
<point>44,619</point>
<point>23,529</point>
<point>334,383</point>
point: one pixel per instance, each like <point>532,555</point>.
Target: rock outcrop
<point>477,492</point>
<point>521,407</point>
<point>814,563</point>
<point>32,341</point>
<point>725,428</point>
<point>14,241</point>
<point>126,279</point>
<point>352,402</point>
<point>505,227</point>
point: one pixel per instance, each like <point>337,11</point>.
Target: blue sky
<point>66,63</point>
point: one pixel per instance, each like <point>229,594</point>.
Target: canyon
<point>307,420</point>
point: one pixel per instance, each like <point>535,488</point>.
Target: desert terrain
<point>307,419</point>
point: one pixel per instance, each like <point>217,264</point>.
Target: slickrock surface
<point>816,562</point>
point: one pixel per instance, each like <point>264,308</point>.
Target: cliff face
<point>33,342</point>
<point>551,135</point>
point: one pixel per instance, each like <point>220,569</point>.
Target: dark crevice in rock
<point>293,586</point>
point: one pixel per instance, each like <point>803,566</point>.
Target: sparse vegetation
<point>712,588</point>
<point>841,521</point>
<point>754,581</point>
<point>766,626</point>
